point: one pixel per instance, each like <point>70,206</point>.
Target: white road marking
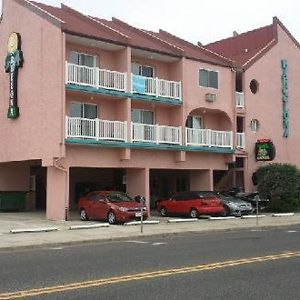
<point>137,242</point>
<point>158,244</point>
<point>292,231</point>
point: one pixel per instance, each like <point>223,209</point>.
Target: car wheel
<point>163,212</point>
<point>194,213</point>
<point>83,215</point>
<point>111,217</point>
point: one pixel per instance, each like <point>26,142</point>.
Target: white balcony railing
<point>96,129</point>
<point>157,134</point>
<point>156,87</point>
<point>95,77</point>
<point>208,137</point>
<point>240,100</point>
<point>240,140</point>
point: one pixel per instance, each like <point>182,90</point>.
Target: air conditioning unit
<point>210,97</point>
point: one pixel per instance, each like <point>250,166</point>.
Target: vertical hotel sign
<point>285,98</point>
<point>13,61</point>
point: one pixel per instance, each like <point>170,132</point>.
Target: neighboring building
<point>103,105</point>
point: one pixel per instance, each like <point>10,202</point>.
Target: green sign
<point>13,61</point>
<point>285,98</point>
<point>264,150</point>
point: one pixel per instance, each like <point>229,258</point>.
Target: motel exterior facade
<point>104,105</point>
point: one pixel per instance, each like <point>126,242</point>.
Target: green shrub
<point>280,183</point>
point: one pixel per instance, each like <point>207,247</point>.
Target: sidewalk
<point>63,235</point>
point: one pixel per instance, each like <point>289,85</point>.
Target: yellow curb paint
<point>143,276</point>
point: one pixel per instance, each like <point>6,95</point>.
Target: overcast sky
<point>194,20</point>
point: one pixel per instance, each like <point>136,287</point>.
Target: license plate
<point>138,214</point>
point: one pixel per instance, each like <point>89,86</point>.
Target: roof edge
<point>41,12</point>
<point>197,47</point>
<point>276,21</point>
<point>144,32</point>
<point>259,54</point>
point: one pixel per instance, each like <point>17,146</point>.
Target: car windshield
<point>119,197</point>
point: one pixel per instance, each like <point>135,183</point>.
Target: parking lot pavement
<point>34,230</point>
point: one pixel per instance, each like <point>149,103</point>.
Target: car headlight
<point>123,209</point>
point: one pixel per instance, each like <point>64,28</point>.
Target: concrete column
<point>57,193</point>
<point>137,183</point>
<point>201,180</point>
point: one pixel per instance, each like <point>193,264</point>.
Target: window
<point>195,122</point>
<point>254,124</point>
<point>141,70</point>
<point>83,110</point>
<point>254,86</point>
<point>142,116</point>
<point>208,78</point>
<point>82,59</point>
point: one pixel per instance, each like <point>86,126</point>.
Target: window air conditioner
<point>210,97</point>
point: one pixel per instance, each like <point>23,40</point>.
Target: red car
<point>192,203</point>
<point>112,206</point>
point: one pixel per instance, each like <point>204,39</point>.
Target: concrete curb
<point>33,230</point>
<point>283,215</point>
<point>182,220</point>
<point>75,227</point>
<point>253,216</point>
<point>221,218</point>
<point>139,223</point>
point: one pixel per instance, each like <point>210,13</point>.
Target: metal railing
<point>95,77</point>
<point>96,129</point>
<point>156,87</point>
<point>157,134</point>
<point>240,100</point>
<point>208,137</point>
<point>240,140</point>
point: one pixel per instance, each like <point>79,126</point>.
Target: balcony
<point>209,138</point>
<point>96,129</point>
<point>95,77</point>
<point>156,87</point>
<point>240,100</point>
<point>157,134</point>
<point>240,140</point>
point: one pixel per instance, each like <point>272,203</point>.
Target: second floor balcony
<point>155,134</point>
<point>209,137</point>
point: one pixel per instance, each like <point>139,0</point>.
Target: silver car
<point>234,206</point>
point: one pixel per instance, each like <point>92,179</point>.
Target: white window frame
<point>254,125</point>
<point>144,110</point>
<point>84,103</point>
<point>147,66</point>
<point>201,121</point>
<point>95,57</point>
<point>209,70</point>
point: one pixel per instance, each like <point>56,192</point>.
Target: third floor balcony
<point>102,79</point>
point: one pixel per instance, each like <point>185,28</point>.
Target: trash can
<point>12,201</point>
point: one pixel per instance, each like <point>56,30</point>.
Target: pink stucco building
<point>103,105</point>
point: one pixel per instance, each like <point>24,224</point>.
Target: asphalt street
<point>246,264</point>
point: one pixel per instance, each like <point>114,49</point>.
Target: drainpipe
<point>63,169</point>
